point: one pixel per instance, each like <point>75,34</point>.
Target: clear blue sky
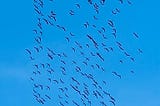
<point>141,89</point>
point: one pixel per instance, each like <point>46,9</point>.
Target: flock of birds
<point>70,74</point>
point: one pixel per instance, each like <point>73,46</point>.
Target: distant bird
<point>120,61</point>
<point>75,103</point>
<point>100,56</point>
<point>111,48</point>
<point>49,79</point>
<point>36,66</point>
<point>121,1</point>
<point>28,51</point>
<point>53,53</point>
<point>103,104</point>
<point>110,23</point>
<point>74,50</point>
<point>46,21</point>
<point>86,24</point>
<point>78,5</point>
<point>37,49</point>
<point>61,81</point>
<point>35,31</point>
<point>102,2</point>
<point>112,102</point>
<point>71,12</point>
<point>38,39</point>
<point>104,82</point>
<point>115,73</point>
<point>140,51</point>
<point>132,59</point>
<point>103,44</point>
<point>55,81</point>
<point>135,34</point>
<point>90,1</point>
<point>71,34</point>
<point>116,11</point>
<point>104,30</point>
<point>127,54</point>
<point>118,43</point>
<point>50,56</point>
<point>106,49</point>
<point>75,80</point>
<point>31,79</point>
<point>95,18</point>
<point>87,45</point>
<point>129,2</point>
<point>123,50</point>
<point>94,26</point>
<point>63,62</point>
<point>48,96</point>
<point>97,66</point>
<point>74,62</point>
<point>64,55</point>
<point>61,103</point>
<point>61,27</point>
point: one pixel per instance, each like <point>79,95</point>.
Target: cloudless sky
<point>16,20</point>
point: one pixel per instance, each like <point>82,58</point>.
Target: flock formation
<point>74,43</point>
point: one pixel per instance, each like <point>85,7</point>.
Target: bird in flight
<point>116,74</point>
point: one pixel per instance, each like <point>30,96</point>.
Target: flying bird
<point>116,74</point>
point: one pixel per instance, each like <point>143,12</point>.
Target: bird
<point>38,39</point>
<point>61,103</point>
<point>75,80</point>
<point>112,102</point>
<point>74,50</point>
<point>127,54</point>
<point>53,53</point>
<point>71,34</point>
<point>90,1</point>
<point>55,81</point>
<point>135,34</point>
<point>61,81</point>
<point>48,96</point>
<point>28,51</point>
<point>140,51</point>
<point>115,73</point>
<point>87,45</point>
<point>31,79</point>
<point>106,49</point>
<point>46,21</point>
<point>75,103</point>
<point>98,54</point>
<point>50,56</point>
<point>121,1</point>
<point>71,12</point>
<point>36,66</point>
<point>118,43</point>
<point>85,63</point>
<point>115,11</point>
<point>129,2</point>
<point>35,31</point>
<point>37,49</point>
<point>78,5</point>
<point>110,23</point>
<point>120,61</point>
<point>103,104</point>
<point>132,59</point>
<point>102,2</point>
<point>63,62</point>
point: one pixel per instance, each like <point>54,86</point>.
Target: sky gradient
<point>141,89</point>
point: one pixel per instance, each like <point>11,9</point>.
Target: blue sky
<point>16,21</point>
